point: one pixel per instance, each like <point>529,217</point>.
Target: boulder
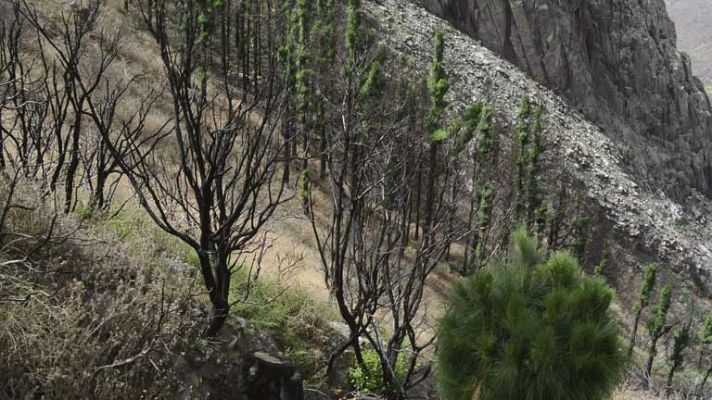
<point>270,378</point>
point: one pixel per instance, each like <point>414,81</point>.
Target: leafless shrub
<point>76,325</point>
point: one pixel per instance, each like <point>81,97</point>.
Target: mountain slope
<point>694,33</point>
<point>615,61</point>
<point>640,224</point>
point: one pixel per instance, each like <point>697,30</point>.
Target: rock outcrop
<point>645,225</point>
<point>616,61</point>
<point>270,378</point>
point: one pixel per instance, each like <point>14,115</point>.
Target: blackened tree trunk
<point>69,184</point>
<point>418,190</point>
<point>219,290</point>
<point>430,194</point>
<point>652,352</point>
<point>634,332</point>
<point>701,390</point>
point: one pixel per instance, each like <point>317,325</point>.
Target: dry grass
<point>631,394</point>
<point>113,311</point>
<point>79,319</point>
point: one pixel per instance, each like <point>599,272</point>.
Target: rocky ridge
<point>659,228</point>
<point>616,62</point>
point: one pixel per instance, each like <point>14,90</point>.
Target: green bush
<point>526,328</point>
<point>136,230</point>
<point>83,211</point>
<point>192,259</point>
<point>370,378</point>
<point>121,226</point>
<point>292,315</point>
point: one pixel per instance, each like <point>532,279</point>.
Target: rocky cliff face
<point>617,62</point>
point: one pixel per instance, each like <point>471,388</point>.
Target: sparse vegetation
<point>705,337</point>
<point>292,317</point>
<point>86,322</point>
<point>145,174</point>
<point>368,378</point>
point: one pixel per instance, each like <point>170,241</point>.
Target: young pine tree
<point>657,327</point>
<point>581,230</point>
<point>303,85</point>
<point>522,130</point>
<point>437,88</point>
<point>323,45</point>
<point>534,200</point>
<point>646,290</point>
<point>705,337</point>
<point>484,191</point>
<point>602,263</point>
<point>288,55</point>
<point>467,127</point>
<point>530,209</point>
<point>529,328</point>
<point>478,119</point>
<point>680,343</point>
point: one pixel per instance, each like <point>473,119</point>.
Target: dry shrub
<point>102,347</point>
<point>79,320</point>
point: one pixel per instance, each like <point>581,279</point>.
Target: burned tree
<point>214,184</point>
<point>62,59</point>
<point>375,269</point>
<point>25,108</point>
<point>26,146</point>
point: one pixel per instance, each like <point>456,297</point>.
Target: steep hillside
<point>694,33</point>
<point>290,310</point>
<point>645,224</point>
<point>618,64</point>
<point>639,224</point>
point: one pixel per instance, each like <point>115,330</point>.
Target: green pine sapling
<point>649,277</point>
<point>657,327</point>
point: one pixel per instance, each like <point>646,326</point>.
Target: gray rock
<point>270,378</point>
<point>180,268</point>
<point>341,328</point>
